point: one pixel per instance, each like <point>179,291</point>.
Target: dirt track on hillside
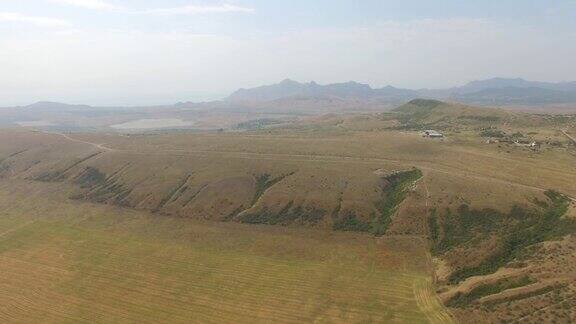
<point>569,136</point>
<point>424,165</point>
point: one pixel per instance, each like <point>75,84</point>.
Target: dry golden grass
<point>461,168</point>
<point>334,166</point>
<point>69,262</point>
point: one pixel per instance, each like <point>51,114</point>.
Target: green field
<point>66,261</point>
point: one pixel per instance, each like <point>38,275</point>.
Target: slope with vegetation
<point>66,261</point>
<point>488,211</point>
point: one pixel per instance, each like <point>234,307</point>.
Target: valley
<point>236,161</point>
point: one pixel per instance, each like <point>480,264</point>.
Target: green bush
<point>351,223</point>
<point>516,230</point>
<point>463,300</point>
<point>492,133</point>
<point>393,194</point>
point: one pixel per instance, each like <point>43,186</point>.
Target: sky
<point>146,52</point>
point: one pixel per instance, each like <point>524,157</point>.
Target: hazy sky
<point>109,52</point>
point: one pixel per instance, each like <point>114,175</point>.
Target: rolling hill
<point>517,96</point>
<point>503,83</point>
<point>492,224</point>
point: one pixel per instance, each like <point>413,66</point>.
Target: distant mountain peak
<point>499,82</point>
<point>50,105</point>
<point>289,88</point>
<point>493,91</point>
<point>288,81</point>
<point>42,103</point>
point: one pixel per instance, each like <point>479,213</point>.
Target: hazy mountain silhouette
<point>495,91</point>
<point>54,106</point>
<point>290,93</point>
<point>503,83</point>
<point>289,88</point>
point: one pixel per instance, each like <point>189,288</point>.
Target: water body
<point>154,124</point>
<point>36,123</point>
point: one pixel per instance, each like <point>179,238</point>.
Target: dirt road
<point>573,139</point>
<point>98,146</point>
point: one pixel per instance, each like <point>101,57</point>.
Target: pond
<point>154,124</point>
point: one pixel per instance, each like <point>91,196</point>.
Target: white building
<point>433,133</point>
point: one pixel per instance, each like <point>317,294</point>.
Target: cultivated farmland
<point>353,218</point>
<point>70,262</point>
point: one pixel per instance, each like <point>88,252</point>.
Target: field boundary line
<point>429,303</point>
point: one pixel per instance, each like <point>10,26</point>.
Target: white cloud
<point>33,20</point>
<point>183,10</point>
<point>200,9</point>
<point>88,4</point>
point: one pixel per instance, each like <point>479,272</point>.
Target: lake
<point>154,124</point>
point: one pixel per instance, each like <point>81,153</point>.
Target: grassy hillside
<point>74,262</point>
<point>420,113</point>
<point>488,208</point>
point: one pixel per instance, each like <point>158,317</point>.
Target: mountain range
<point>349,90</point>
<point>290,96</point>
<point>495,91</point>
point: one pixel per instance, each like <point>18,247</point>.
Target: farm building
<point>433,134</point>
